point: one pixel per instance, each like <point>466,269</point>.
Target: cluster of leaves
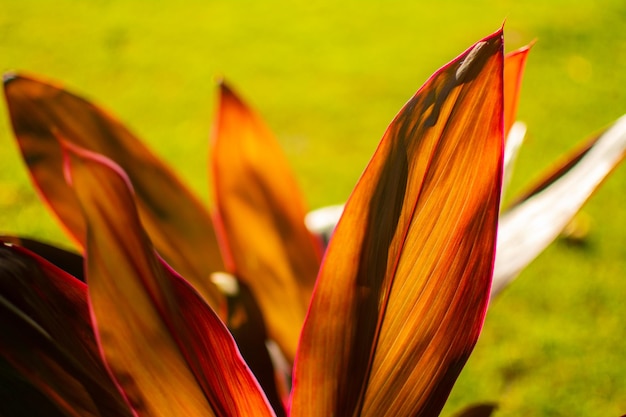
<point>169,310</point>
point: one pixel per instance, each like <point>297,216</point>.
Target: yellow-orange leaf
<point>165,347</point>
<point>403,289</point>
<point>261,219</point>
<point>176,221</point>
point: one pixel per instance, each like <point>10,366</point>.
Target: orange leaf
<point>261,219</point>
<point>163,344</point>
<point>47,336</point>
<point>178,224</point>
<point>402,293</point>
<point>514,63</point>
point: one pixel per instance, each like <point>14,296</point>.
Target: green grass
<point>328,77</point>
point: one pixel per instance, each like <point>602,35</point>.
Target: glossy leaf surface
<point>47,336</point>
<point>403,289</point>
<point>534,221</point>
<point>261,219</point>
<point>165,347</point>
<point>178,224</point>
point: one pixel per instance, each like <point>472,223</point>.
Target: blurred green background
<point>328,77</point>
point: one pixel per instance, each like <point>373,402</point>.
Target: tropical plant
<point>382,326</point>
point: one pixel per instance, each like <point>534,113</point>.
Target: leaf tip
<point>72,153</point>
<point>226,92</point>
<point>67,149</point>
<point>8,77</point>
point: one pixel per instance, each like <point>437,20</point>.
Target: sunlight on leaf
<point>412,254</point>
<point>176,221</point>
<point>260,219</point>
<point>322,221</point>
<point>514,63</point>
<point>165,347</point>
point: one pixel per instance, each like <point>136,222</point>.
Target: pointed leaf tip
<point>70,149</point>
<point>220,81</point>
<point>7,77</point>
<point>227,93</point>
<point>514,64</point>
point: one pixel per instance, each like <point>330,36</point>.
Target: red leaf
<point>48,338</point>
